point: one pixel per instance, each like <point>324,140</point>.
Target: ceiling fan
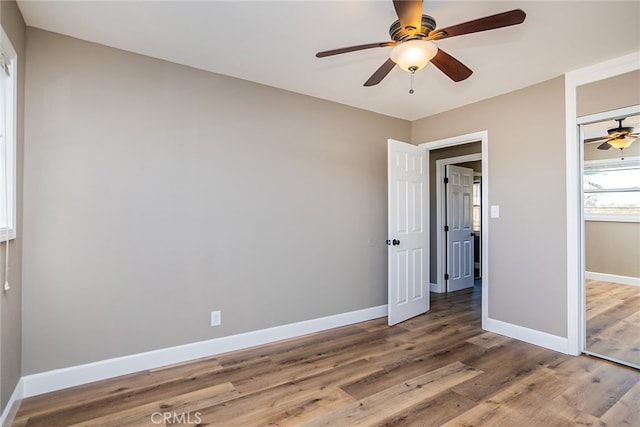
<point>412,38</point>
<point>619,137</point>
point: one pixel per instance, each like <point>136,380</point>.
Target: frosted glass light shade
<point>414,54</point>
<point>622,142</point>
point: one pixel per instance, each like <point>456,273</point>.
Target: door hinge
<point>446,180</point>
<point>446,276</point>
<point>446,228</point>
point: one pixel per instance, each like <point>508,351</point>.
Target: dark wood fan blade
<point>604,146</point>
<point>410,15</point>
<point>504,19</point>
<point>380,73</point>
<point>354,48</point>
<point>449,65</point>
<point>600,138</point>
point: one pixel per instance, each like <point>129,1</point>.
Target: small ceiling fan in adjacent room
<point>620,137</point>
<point>413,36</point>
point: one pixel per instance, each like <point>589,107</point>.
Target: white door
<point>459,227</point>
<point>408,231</point>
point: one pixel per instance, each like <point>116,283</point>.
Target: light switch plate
<point>495,211</point>
<point>216,318</point>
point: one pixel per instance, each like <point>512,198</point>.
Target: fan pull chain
<point>413,72</point>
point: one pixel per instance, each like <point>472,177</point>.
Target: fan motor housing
<point>397,33</point>
<point>620,130</point>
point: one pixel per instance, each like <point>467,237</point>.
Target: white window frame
<point>9,97</point>
<point>609,217</point>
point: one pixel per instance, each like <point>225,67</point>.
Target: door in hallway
<point>459,227</point>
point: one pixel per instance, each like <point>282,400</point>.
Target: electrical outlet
<point>216,318</point>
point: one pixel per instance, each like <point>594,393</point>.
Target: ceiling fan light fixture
<point>413,55</point>
<point>622,142</point>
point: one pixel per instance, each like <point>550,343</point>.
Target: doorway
<point>444,277</point>
<point>437,266</point>
<point>576,81</point>
<point>610,238</point>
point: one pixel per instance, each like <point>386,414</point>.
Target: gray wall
<point>611,247</point>
<point>608,94</point>
<point>527,244</point>
<point>11,302</point>
<point>156,193</point>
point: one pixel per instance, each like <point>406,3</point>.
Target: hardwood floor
<point>613,320</point>
<point>437,369</point>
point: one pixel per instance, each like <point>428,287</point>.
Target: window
<point>477,211</point>
<point>612,190</point>
<point>8,108</point>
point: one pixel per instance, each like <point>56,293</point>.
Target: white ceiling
<point>274,43</point>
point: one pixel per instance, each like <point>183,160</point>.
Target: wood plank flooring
<point>613,320</point>
<point>439,369</point>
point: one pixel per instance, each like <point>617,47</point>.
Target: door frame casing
<point>441,261</point>
<point>483,137</point>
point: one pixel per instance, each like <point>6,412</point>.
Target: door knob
<point>395,242</point>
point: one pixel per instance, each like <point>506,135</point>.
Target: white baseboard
<point>58,379</point>
<point>542,339</point>
<point>435,287</point>
<point>10,411</point>
<point>606,277</point>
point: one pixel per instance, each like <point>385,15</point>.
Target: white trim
<point>441,243</point>
<point>483,137</point>
<point>618,113</point>
<point>611,218</point>
<point>58,379</point>
<point>10,411</point>
<point>9,232</point>
<point>435,287</point>
<point>575,263</point>
<point>613,162</point>
<point>532,336</point>
<point>607,277</point>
